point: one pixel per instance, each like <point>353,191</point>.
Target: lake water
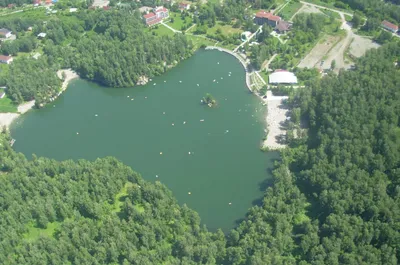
<point>217,160</point>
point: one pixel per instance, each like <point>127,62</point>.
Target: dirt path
<point>337,52</point>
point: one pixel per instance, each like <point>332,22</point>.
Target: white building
<point>5,33</point>
<point>42,35</point>
<point>5,59</point>
<point>282,77</point>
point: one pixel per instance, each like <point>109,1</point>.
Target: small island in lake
<point>209,100</point>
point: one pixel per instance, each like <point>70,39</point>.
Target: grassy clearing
<point>320,3</point>
<point>34,13</point>
<point>290,9</point>
<point>264,75</point>
<point>120,198</point>
<point>179,23</point>
<point>35,232</point>
<point>161,30</point>
<point>330,13</point>
<point>199,41</point>
<point>6,104</point>
<point>226,29</point>
<point>347,18</point>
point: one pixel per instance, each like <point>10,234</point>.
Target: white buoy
<point>222,78</point>
<point>173,124</point>
<point>184,122</point>
<point>230,203</point>
<point>96,115</point>
<point>127,96</point>
<point>180,81</point>
<point>189,193</point>
<point>214,80</point>
<point>165,81</point>
<point>145,97</point>
<point>163,113</point>
<point>189,153</point>
<point>77,133</point>
<point>218,63</point>
<point>156,176</point>
<point>198,85</point>
<point>154,84</point>
<point>54,106</point>
<point>201,120</point>
<point>132,99</point>
<point>160,153</point>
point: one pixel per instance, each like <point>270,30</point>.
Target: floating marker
<point>173,124</point>
<point>163,113</point>
<point>180,81</point>
<point>189,193</point>
<point>127,96</point>
<point>154,84</point>
<point>222,78</point>
<point>77,133</point>
<point>214,80</point>
<point>165,81</point>
<point>160,153</point>
<point>218,63</point>
<point>131,99</point>
<point>145,97</point>
<point>184,122</point>
<point>96,115</point>
<point>230,203</point>
<point>198,85</point>
<point>201,120</point>
<point>156,176</point>
<point>54,106</point>
<point>189,153</point>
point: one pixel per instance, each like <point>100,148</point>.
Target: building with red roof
<point>263,17</point>
<point>390,26</point>
<point>155,17</point>
<point>5,59</point>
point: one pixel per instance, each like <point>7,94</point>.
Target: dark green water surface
<point>225,164</point>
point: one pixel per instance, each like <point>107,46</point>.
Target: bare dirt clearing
<point>309,9</point>
<point>318,52</point>
<point>360,45</point>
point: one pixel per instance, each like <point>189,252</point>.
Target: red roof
<point>390,25</point>
<point>5,58</point>
<point>149,15</point>
<point>155,21</point>
<point>267,15</point>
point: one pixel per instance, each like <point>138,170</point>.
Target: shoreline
<point>274,116</point>
<point>7,118</point>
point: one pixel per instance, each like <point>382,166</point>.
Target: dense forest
<point>335,197</point>
<point>112,48</point>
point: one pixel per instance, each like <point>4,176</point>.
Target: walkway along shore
<point>276,114</point>
<point>7,118</point>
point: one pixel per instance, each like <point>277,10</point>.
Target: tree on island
<point>209,100</point>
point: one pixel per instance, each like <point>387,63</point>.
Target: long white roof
<point>282,77</point>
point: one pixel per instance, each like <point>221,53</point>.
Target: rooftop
<point>282,77</point>
<point>390,25</point>
<point>5,58</point>
<point>149,15</point>
<point>267,15</point>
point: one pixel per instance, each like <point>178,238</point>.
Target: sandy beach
<point>7,118</point>
<point>276,116</point>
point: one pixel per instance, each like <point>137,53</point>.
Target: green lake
<point>211,153</point>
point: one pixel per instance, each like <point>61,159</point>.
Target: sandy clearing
<point>7,118</point>
<point>309,9</point>
<point>318,52</point>
<point>276,117</point>
<point>69,75</point>
<point>360,45</point>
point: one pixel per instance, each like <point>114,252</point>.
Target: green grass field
<point>290,9</point>
<point>226,29</point>
<point>6,104</point>
<point>179,22</point>
<point>199,41</point>
<point>35,232</point>
<point>161,30</point>
<point>331,13</point>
